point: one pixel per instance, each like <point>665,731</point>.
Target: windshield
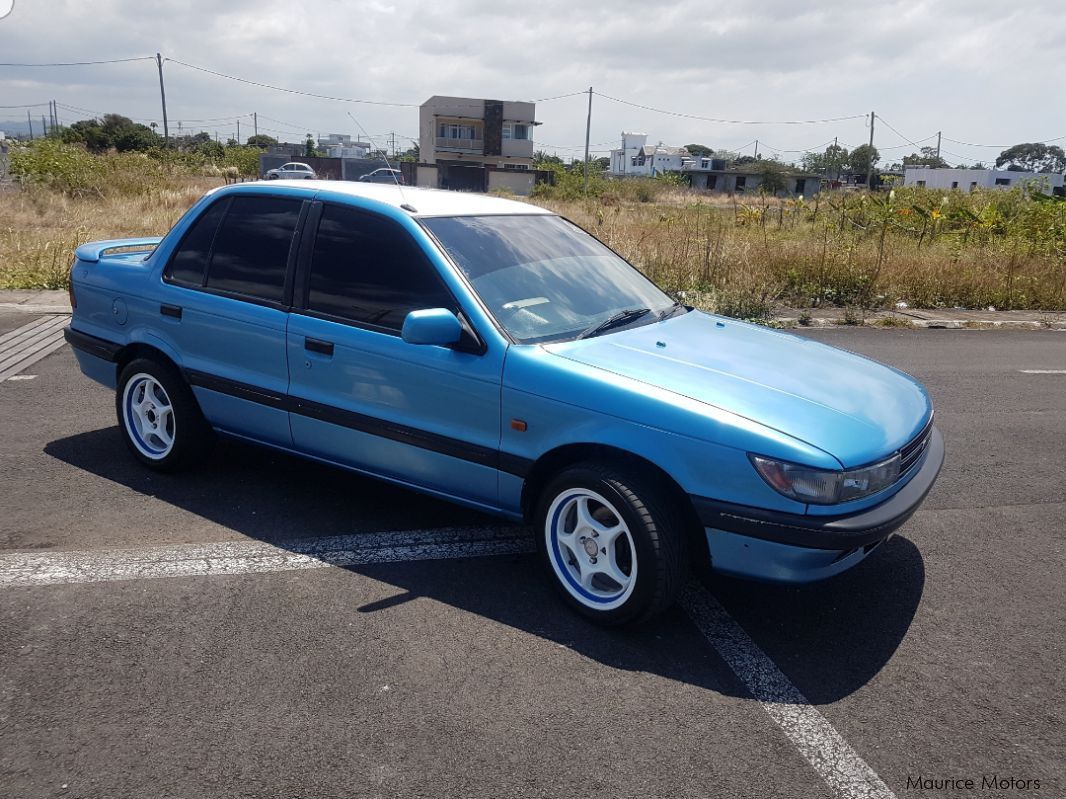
<point>544,278</point>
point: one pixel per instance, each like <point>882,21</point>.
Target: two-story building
<point>637,158</point>
<point>473,144</point>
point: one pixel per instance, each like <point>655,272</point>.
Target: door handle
<point>170,310</point>
<point>317,345</point>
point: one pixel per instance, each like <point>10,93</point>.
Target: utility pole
<point>163,98</point>
<point>836,160</point>
<point>238,131</point>
<point>938,145</point>
<point>870,166</point>
<point>255,122</point>
<point>44,126</point>
<point>756,149</point>
<point>588,130</point>
<point>624,159</point>
<point>29,121</point>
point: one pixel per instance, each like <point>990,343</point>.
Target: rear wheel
<point>159,416</point>
<point>612,543</point>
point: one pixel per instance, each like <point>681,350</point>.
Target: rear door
<point>230,287</point>
<point>425,415</point>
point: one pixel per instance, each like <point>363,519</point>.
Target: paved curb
<point>947,324</point>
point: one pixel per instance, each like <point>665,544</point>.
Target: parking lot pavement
<point>402,670</point>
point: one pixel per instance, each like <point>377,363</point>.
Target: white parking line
<point>1043,371</point>
<point>28,344</point>
<point>818,742</point>
<point>256,557</point>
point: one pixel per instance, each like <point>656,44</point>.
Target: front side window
<point>251,249</point>
<point>368,269</point>
<point>544,278</point>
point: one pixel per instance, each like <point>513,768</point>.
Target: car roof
<point>424,202</point>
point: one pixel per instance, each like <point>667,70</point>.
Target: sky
<point>980,71</point>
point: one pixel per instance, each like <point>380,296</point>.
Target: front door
<point>427,416</point>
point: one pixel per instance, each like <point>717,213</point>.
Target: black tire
<point>191,437</point>
<point>656,530</point>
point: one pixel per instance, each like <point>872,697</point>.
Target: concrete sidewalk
<point>50,302</point>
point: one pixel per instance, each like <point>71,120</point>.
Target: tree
<point>829,163</point>
<point>863,159</point>
<point>744,160</point>
<point>541,159</point>
<point>1033,157</point>
<point>773,176</point>
<point>928,157</point>
<point>699,150</point>
<point>113,130</point>
<point>262,141</point>
<point>309,147</point>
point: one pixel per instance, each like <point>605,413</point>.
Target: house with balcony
<point>471,144</point>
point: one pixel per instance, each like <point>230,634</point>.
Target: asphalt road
<point>939,657</point>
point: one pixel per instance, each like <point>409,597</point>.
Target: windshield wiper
<point>668,312</point>
<point>620,318</point>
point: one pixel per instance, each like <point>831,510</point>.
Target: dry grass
<point>40,229</point>
<point>744,258</point>
<point>740,257</point>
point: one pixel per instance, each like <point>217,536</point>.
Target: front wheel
<point>159,416</point>
<point>612,542</point>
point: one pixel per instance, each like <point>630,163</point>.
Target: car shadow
<point>830,638</point>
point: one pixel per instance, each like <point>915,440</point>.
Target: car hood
<point>855,409</point>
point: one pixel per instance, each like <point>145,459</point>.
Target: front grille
<point>912,451</point>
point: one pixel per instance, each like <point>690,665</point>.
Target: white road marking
<point>818,742</point>
<point>24,346</point>
<point>1043,371</point>
<point>13,378</point>
<point>256,557</point>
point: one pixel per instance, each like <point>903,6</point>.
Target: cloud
<point>976,69</point>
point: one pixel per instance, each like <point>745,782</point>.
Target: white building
<point>969,179</point>
<point>646,160</point>
<point>622,158</point>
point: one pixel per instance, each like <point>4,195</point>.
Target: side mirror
<point>436,326</point>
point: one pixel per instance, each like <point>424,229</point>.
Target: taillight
<point>70,288</point>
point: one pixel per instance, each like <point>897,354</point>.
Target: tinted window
<point>368,269</point>
<point>252,247</point>
<point>188,264</point>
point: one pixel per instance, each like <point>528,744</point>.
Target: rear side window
<point>189,263</point>
<point>251,248</point>
<point>369,269</point>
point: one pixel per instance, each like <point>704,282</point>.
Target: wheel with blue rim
<point>159,416</point>
<point>612,542</point>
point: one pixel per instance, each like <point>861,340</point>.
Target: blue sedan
<point>492,353</point>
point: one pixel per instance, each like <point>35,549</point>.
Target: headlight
<point>825,486</point>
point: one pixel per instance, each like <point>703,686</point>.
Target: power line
<point>27,105</point>
<point>83,63</point>
<point>730,121</point>
<point>911,143</point>
<point>1001,146</point>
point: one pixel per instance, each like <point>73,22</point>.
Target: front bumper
<point>796,548</point>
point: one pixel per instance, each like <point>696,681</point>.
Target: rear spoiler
<point>91,252</point>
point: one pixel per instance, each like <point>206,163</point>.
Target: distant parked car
<point>383,175</point>
<point>292,171</point>
<point>492,353</point>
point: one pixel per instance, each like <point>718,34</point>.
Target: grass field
<point>739,256</point>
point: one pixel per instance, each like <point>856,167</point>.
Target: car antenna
<point>406,205</point>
